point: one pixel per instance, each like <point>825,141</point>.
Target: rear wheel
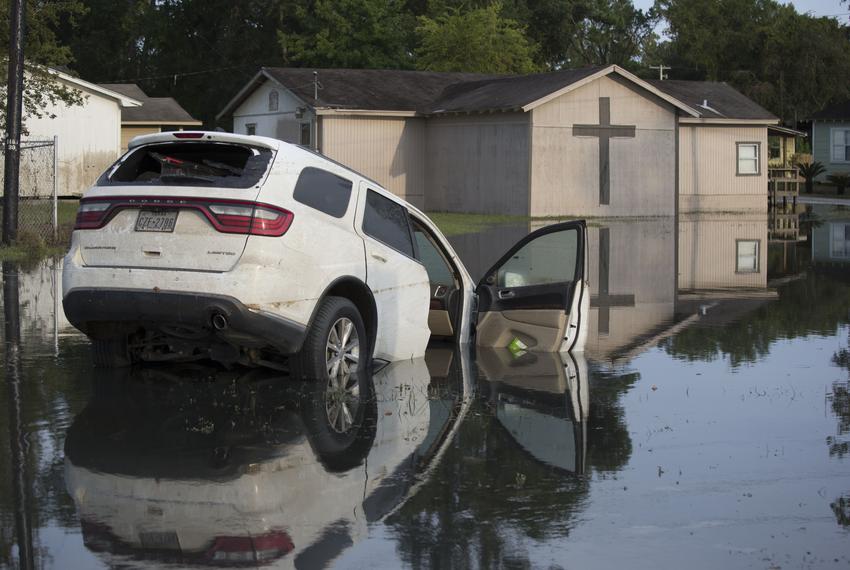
<point>110,353</point>
<point>336,346</point>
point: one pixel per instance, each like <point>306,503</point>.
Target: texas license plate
<point>159,540</point>
<point>156,221</point>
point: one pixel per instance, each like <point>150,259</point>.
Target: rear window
<point>191,163</point>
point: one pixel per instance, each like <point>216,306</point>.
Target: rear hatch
<point>178,203</point>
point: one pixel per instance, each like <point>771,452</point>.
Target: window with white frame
<point>839,242</point>
<point>747,252</point>
<point>840,145</point>
<point>748,158</point>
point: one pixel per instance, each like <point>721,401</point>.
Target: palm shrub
<point>841,180</point>
<point>810,172</point>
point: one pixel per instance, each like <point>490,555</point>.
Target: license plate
<point>160,540</point>
<point>156,221</point>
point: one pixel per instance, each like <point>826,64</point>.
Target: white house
<point>88,135</point>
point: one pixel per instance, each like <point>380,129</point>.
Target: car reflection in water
<point>202,466</point>
<point>542,400</point>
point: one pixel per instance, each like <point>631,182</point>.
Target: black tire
<point>310,364</point>
<point>110,353</point>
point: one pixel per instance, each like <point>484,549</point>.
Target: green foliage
<point>612,31</point>
<point>841,180</point>
<point>479,40</point>
<point>41,48</point>
<point>793,64</point>
<point>810,172</point>
<point>349,33</point>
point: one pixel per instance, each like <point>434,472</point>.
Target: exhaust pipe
<point>219,321</point>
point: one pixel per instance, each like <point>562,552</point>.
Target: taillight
<point>247,549</point>
<point>226,216</point>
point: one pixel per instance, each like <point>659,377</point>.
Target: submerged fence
<point>37,208</point>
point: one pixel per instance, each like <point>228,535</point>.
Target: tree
<point>350,33</point>
<point>611,31</point>
<point>479,40</point>
<point>41,49</point>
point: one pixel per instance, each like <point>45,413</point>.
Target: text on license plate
<point>160,540</point>
<point>156,221</point>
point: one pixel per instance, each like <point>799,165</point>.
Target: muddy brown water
<point>707,425</point>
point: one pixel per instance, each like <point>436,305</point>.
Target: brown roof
<point>154,110</point>
<point>713,100</point>
<point>368,89</point>
<point>835,112</point>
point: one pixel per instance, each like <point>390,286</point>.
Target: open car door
<point>536,296</point>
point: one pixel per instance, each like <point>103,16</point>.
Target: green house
<point>831,138</point>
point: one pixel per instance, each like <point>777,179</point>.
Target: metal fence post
<point>55,188</point>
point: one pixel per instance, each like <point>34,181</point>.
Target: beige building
<point>154,115</point>
<point>585,142</point>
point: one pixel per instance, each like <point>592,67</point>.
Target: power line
<point>180,74</point>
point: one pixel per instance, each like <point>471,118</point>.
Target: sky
<point>817,7</point>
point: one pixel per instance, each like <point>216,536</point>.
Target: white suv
<point>244,249</point>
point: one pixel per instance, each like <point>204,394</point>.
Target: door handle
<point>379,258</point>
<point>506,294</point>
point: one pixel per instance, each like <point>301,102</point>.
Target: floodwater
<point>707,425</point>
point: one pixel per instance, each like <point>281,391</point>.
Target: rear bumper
<point>94,311</point>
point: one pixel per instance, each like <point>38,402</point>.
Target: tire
<point>312,362</point>
<point>110,353</point>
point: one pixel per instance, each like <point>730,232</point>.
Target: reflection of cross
<point>605,131</point>
<point>604,301</point>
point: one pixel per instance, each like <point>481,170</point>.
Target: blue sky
<point>817,7</point>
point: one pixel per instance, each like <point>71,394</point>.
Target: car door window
<point>435,264</point>
<point>323,191</point>
<point>550,258</point>
<point>387,222</point>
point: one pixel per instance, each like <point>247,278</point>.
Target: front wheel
<point>336,346</point>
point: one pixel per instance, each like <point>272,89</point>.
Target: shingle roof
<point>369,89</point>
<point>504,93</point>
<point>838,111</point>
<point>723,101</point>
<point>155,110</point>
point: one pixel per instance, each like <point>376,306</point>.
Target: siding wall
<point>708,250</point>
<point>821,142</point>
<point>281,124</point>
<point>478,163</point>
<point>565,168</point>
<point>89,139</point>
<point>129,133</point>
<point>390,150</point>
<point>708,164</point>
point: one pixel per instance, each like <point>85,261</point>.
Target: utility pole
<point>14,109</point>
<point>661,75</point>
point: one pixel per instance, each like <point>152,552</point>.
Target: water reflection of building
<point>182,467</point>
<point>831,244</point>
<point>718,251</point>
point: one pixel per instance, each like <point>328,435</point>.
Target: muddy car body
<point>245,249</point>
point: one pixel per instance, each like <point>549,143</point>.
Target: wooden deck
<point>783,185</point>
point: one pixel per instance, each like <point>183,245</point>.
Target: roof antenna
<point>315,85</point>
<point>661,75</point>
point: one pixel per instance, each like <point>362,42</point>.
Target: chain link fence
<point>37,215</point>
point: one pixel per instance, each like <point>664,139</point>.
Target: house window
<point>774,148</point>
<point>839,243</point>
<point>748,159</point>
<point>747,256</point>
<point>840,145</point>
<point>305,134</point>
<point>251,129</point>
<point>274,100</point>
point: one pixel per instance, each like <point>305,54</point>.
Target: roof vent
<point>705,102</point>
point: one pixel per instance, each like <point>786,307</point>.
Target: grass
<point>32,246</point>
<point>456,224</point>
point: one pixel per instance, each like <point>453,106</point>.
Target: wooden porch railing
<point>782,184</point>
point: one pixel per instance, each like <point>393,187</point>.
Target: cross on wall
<point>604,131</point>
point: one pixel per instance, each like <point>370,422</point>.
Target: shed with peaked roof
<point>593,141</point>
<point>154,115</point>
